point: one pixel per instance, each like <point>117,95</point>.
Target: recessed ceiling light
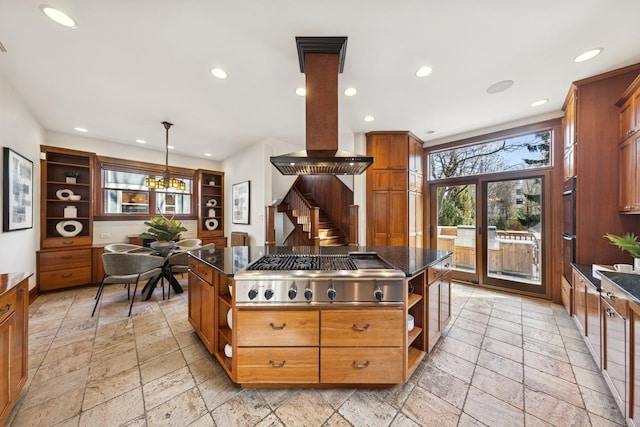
<point>141,141</point>
<point>58,16</point>
<point>219,73</point>
<point>539,102</point>
<point>81,129</point>
<point>350,91</point>
<point>170,147</point>
<point>424,71</point>
<point>585,56</point>
<point>500,86</point>
<point>368,119</point>
<point>207,154</point>
<point>301,91</point>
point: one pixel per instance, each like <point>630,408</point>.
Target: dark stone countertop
<point>230,260</point>
<point>628,282</point>
<point>586,271</point>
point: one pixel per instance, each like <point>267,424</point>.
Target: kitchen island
<point>331,343</point>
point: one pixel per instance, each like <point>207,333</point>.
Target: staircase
<point>328,233</point>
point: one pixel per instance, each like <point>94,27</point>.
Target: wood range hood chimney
<point>321,59</point>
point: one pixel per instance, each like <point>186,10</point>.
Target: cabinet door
<point>361,365</point>
<point>20,340</point>
<point>362,328</point>
<point>397,218</point>
<point>207,315</point>
<point>593,331</point>
<point>615,352</point>
<point>626,175</point>
<point>379,215</point>
<point>6,336</point>
<point>193,296</point>
<point>580,301</point>
<point>570,119</point>
<point>433,314</point>
<point>635,114</point>
<point>569,162</point>
<point>634,406</point>
<point>625,119</point>
<point>445,300</point>
<point>267,328</point>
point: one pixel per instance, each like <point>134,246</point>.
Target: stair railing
<point>306,216</point>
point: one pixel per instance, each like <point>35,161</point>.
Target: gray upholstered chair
<point>177,263</point>
<point>189,244</point>
<point>127,268</point>
<point>122,247</point>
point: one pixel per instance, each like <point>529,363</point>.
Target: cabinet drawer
<point>64,259</point>
<point>615,297</point>
<point>277,364</point>
<point>7,304</point>
<point>362,327</point>
<point>437,270</point>
<point>66,242</point>
<point>277,328</point>
<point>201,270</point>
<point>60,279</point>
<point>361,365</point>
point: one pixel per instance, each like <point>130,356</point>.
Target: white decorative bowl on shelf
<point>212,202</point>
<point>211,224</point>
<point>410,323</point>
<point>69,228</point>
<point>64,194</point>
<point>228,350</point>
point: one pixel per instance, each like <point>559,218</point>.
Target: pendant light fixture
<point>166,181</point>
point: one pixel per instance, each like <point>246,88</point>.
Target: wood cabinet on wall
<point>66,226</point>
<point>395,190</point>
<point>591,154</point>
<point>210,205</point>
<point>629,149</point>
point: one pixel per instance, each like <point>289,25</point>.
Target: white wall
<point>20,131</point>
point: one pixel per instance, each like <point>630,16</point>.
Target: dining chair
<point>127,268</point>
<point>176,263</point>
<point>122,247</point>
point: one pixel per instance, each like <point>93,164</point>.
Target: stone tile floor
<point>504,360</point>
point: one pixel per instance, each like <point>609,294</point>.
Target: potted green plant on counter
<point>164,232</point>
<point>71,176</point>
<point>629,243</point>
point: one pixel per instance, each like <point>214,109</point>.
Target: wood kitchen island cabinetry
<point>317,345</point>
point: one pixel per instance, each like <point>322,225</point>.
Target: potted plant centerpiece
<point>164,232</point>
<point>71,176</point>
<point>628,242</point>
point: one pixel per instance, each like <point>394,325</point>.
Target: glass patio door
<point>514,239</point>
<point>453,207</point>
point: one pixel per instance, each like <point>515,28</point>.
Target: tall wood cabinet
<point>210,205</point>
<point>591,155</point>
<point>395,190</point>
<point>66,219</point>
<point>629,149</point>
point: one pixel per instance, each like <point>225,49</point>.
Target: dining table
<point>150,286</point>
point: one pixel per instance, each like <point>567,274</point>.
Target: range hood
<point>321,59</point>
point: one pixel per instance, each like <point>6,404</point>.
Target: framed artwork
<point>17,191</point>
<point>240,195</point>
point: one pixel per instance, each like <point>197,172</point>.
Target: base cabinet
<point>14,330</point>
<point>201,305</point>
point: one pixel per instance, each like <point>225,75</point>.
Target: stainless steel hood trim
<point>303,163</point>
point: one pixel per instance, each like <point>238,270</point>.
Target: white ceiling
<point>132,64</point>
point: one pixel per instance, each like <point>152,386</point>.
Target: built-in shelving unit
<point>211,207</point>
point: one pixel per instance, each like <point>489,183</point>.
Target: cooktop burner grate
<point>303,262</point>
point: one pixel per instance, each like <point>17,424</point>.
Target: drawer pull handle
<point>66,275</point>
<point>610,312</point>
<point>446,265</point>
<point>611,295</point>
<point>359,329</point>
<point>277,328</point>
<point>360,366</point>
<point>67,257</point>
<point>277,365</point>
<point>67,243</point>
<point>5,309</point>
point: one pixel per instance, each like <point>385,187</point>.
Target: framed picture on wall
<point>17,191</point>
<point>240,196</point>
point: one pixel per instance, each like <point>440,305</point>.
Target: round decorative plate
<point>211,224</point>
<point>64,194</point>
<point>69,228</point>
<point>212,202</point>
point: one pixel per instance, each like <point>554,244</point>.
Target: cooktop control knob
<point>308,294</point>
<point>253,293</point>
<point>268,293</point>
<point>378,294</point>
<point>293,291</point>
<point>331,293</point>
